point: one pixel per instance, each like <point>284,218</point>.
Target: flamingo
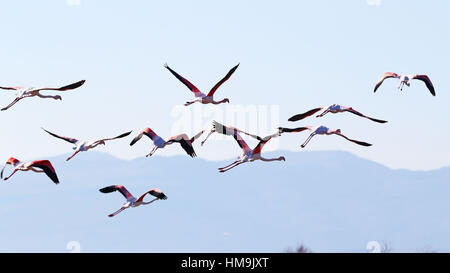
<point>131,200</point>
<point>183,139</point>
<point>26,92</point>
<point>43,165</point>
<point>82,146</point>
<point>334,108</point>
<point>319,130</point>
<point>248,155</point>
<point>405,80</point>
<point>200,96</point>
<point>226,130</point>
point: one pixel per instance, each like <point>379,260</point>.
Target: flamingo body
<point>320,130</point>
<point>26,92</point>
<point>334,109</point>
<point>406,80</point>
<point>248,154</point>
<point>159,143</point>
<point>200,96</point>
<point>131,201</point>
<point>44,166</point>
<point>83,146</point>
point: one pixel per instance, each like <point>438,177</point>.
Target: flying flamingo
<point>199,96</point>
<point>248,155</point>
<point>131,200</point>
<point>334,108</point>
<point>43,165</point>
<point>319,130</point>
<point>82,146</point>
<point>226,130</point>
<point>26,92</point>
<point>183,139</point>
<point>405,80</point>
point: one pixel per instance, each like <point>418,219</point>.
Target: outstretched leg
<point>307,140</point>
<point>146,203</point>
<point>11,104</point>
<point>189,103</point>
<point>70,157</point>
<point>229,165</point>
<point>224,170</point>
<point>212,131</point>
<point>272,159</point>
<point>116,212</point>
<point>323,113</point>
<point>6,178</point>
<point>152,152</point>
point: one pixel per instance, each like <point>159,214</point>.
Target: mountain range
<point>331,201</point>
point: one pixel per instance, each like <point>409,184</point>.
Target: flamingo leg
<point>323,113</point>
<point>70,157</point>
<point>152,151</point>
<point>11,104</point>
<point>270,159</point>
<point>307,140</point>
<point>229,165</point>
<point>189,103</point>
<point>212,131</point>
<point>237,164</point>
<point>116,212</point>
<point>6,178</point>
<point>146,203</point>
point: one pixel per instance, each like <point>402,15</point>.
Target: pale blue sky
<point>294,54</point>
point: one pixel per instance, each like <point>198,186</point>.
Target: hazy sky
<point>293,55</point>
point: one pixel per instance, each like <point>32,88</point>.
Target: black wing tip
<point>107,189</point>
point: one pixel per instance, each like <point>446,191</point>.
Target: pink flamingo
<point>44,166</point>
<point>199,96</point>
<point>27,92</point>
<point>319,130</point>
<point>226,130</point>
<point>334,108</point>
<point>248,155</point>
<point>405,80</point>
<point>82,146</point>
<point>131,200</point>
<point>182,139</point>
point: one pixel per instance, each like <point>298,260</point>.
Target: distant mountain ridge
<point>328,201</point>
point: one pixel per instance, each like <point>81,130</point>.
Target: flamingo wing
<point>10,88</point>
<point>427,82</point>
<point>241,142</point>
<point>148,132</point>
<point>386,75</point>
<point>120,136</point>
<point>68,139</point>
<point>47,167</point>
<point>63,88</point>
<point>354,141</point>
<point>294,130</point>
<point>306,114</point>
<point>189,85</point>
<point>184,142</point>
<point>353,111</point>
<point>211,93</point>
<point>230,131</point>
<point>119,188</point>
<point>258,148</point>
<point>155,192</point>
